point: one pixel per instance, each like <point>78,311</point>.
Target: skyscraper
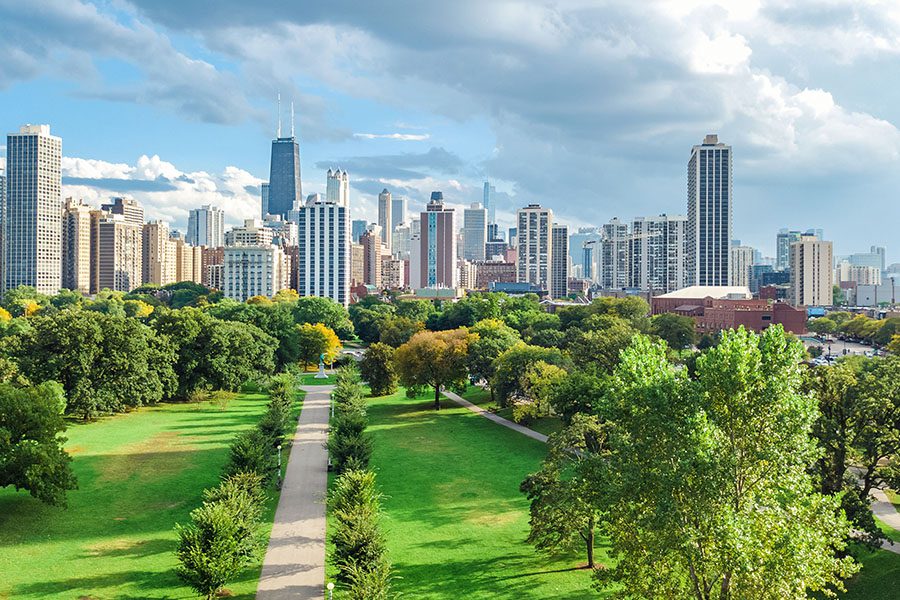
<point>398,210</point>
<point>783,241</point>
<point>323,264</point>
<point>474,232</point>
<point>613,258</point>
<point>385,219</point>
<point>533,229</point>
<point>119,255</point>
<point>357,228</point>
<point>709,201</point>
<point>206,226</point>
<point>285,189</point>
<point>559,266</point>
<point>337,187</point>
<point>812,275</point>
<point>656,248</point>
<point>129,208</point>
<point>436,252</point>
<point>264,200</point>
<point>76,250</point>
<point>32,218</point>
<point>158,254</point>
<point>489,202</point>
<point>741,262</point>
<point>371,243</point>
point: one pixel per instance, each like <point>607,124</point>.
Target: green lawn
<point>455,520</point>
<point>310,379</point>
<point>482,398</point>
<point>138,475</point>
<point>879,578</point>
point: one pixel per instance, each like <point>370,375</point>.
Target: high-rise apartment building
<point>474,232</point>
<point>254,271</point>
<point>252,233</point>
<point>158,254</point>
<point>337,187</point>
<point>709,204</point>
<point>490,202</point>
<point>372,254</point>
<point>285,189</point>
<point>264,200</point>
<point>436,250</point>
<point>398,210</point>
<point>385,217</point>
<point>188,261</point>
<point>881,251</point>
<point>128,208</point>
<point>206,226</point>
<point>323,260</point>
<point>612,263</point>
<point>741,263</point>
<point>858,274</point>
<point>811,272</point>
<point>400,241</point>
<point>783,241</point>
<point>32,214</point>
<point>535,251</point>
<point>76,249</point>
<point>559,265</point>
<point>119,253</point>
<point>656,253</point>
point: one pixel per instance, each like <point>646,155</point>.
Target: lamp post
<point>330,587</point>
<point>279,466</point>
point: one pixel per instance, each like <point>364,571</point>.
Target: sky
<point>589,107</point>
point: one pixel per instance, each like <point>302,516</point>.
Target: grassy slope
<point>455,520</point>
<point>138,475</point>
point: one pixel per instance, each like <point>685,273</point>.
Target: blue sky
<point>587,107</point>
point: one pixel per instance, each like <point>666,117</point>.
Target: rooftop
<point>719,292</point>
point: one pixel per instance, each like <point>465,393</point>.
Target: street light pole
<point>279,466</point>
<point>330,587</point>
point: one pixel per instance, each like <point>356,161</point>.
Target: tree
<point>313,309</point>
<point>511,364</point>
<point>369,317</point>
<point>822,326</point>
<point>358,544</point>
<point>537,383</point>
<point>23,301</point>
<point>837,296</point>
<point>433,358</point>
<point>894,346</point>
<point>313,341</point>
<point>377,368</point>
<point>491,338</point>
<point>678,331</point>
<point>565,506</point>
<point>597,349</point>
<point>396,331</point>
<point>31,447</point>
<point>706,485</point>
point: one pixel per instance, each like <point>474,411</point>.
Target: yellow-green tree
<point>315,340</point>
<point>434,358</point>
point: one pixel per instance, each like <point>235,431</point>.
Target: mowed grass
<point>455,520</point>
<point>482,398</point>
<point>138,475</point>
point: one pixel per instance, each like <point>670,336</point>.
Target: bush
<point>358,544</point>
<point>252,452</point>
<point>349,450</point>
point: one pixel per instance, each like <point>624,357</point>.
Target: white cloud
<point>403,137</point>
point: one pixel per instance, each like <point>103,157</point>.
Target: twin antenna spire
<point>278,129</point>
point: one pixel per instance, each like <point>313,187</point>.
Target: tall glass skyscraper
<point>489,202</point>
<point>285,192</point>
<point>264,200</point>
<point>709,214</point>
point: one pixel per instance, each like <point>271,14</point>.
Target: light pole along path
<point>294,566</point>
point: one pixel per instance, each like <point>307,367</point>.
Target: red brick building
<point>714,309</point>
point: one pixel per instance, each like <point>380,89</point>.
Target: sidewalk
<point>489,415</point>
<point>294,566</point>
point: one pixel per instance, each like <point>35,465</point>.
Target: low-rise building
<point>715,308</point>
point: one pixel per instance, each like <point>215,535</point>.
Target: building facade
<point>398,210</point>
<point>76,250</point>
<point>127,208</point>
<point>709,207</point>
<point>656,253</point>
<point>535,251</point>
<point>285,189</point>
<point>32,214</point>
<point>337,187</point>
<point>385,216</point>
<point>474,232</point>
<point>812,278</point>
<point>206,226</point>
<point>323,260</point>
<point>490,202</point>
<point>437,246</point>
<point>120,255</point>
<point>559,264</point>
<point>372,254</point>
<point>253,233</point>
<point>741,264</point>
<point>254,271</point>
<point>612,262</point>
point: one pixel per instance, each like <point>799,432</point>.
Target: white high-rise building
<point>385,220</point>
<point>741,262</point>
<point>253,233</point>
<point>709,206</point>
<point>535,250</point>
<point>559,265</point>
<point>398,210</point>
<point>206,227</point>
<point>612,263</point>
<point>32,213</point>
<point>323,265</point>
<point>254,271</point>
<point>401,241</point>
<point>812,276</point>
<point>474,232</point>
<point>337,187</point>
<point>656,248</point>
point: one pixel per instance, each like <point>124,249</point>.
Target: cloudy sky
<point>587,106</point>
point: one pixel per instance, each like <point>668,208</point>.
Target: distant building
<point>612,263</point>
<point>474,232</point>
<point>741,263</point>
<point>436,252</point>
<point>859,274</point>
<point>158,254</point>
<point>323,256</point>
<point>128,208</point>
<point>371,243</point>
<point>76,250</point>
<point>285,188</point>
<point>357,228</point>
<point>253,233</point>
<point>709,213</point>
<point>337,187</point>
<point>559,261</point>
<point>467,274</point>
<point>206,226</point>
<point>489,202</point>
<point>656,254</point>
<point>493,271</point>
<point>400,241</point>
<point>715,308</point>
<point>393,273</point>
<point>119,264</point>
<point>212,267</point>
<point>357,265</point>
<point>385,220</point>
<point>811,272</point>
<point>254,271</point>
<point>534,230</point>
<point>398,210</point>
<point>264,200</point>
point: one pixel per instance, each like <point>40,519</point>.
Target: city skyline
<point>805,143</point>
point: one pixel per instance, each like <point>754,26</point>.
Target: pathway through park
<point>496,419</point>
<point>294,566</point>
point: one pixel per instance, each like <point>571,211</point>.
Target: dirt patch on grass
<point>493,519</point>
<point>162,454</point>
<point>109,546</point>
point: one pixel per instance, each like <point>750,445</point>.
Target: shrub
<point>252,452</point>
<point>349,450</point>
<point>358,545</point>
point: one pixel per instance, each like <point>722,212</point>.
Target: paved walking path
<point>294,566</point>
<point>885,511</point>
<point>496,419</point>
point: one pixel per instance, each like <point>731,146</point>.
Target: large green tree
<point>31,445</point>
<point>707,487</point>
<point>514,362</point>
<point>312,309</point>
<point>434,358</point>
<point>491,338</point>
<point>377,368</point>
<point>678,331</point>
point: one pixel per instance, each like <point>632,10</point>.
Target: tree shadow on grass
<point>64,588</point>
<point>130,548</point>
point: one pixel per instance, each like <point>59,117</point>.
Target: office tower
<point>783,241</point>
<point>398,210</point>
<point>490,202</point>
<point>253,233</point>
<point>371,244</point>
<point>158,258</point>
<point>811,272</point>
<point>513,238</point>
<point>264,200</point>
<point>385,219</point>
<point>494,248</point>
<point>120,254</point>
<point>128,208</point>
<point>76,246</point>
<point>323,259</point>
<point>535,250</point>
<point>577,241</point>
<point>357,265</point>
<point>656,248</point>
<point>254,271</point>
<point>206,226</point>
<point>880,251</point>
<point>437,245</point>
<point>612,263</point>
<point>559,266</point>
<point>400,241</point>
<point>474,232</point>
<point>866,259</point>
<point>32,219</point>
<point>741,261</point>
<point>285,189</point>
<point>337,187</point>
<point>709,213</point>
<point>357,228</point>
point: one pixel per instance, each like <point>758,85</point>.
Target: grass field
<point>455,520</point>
<point>482,398</point>
<point>310,379</point>
<point>138,475</point>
